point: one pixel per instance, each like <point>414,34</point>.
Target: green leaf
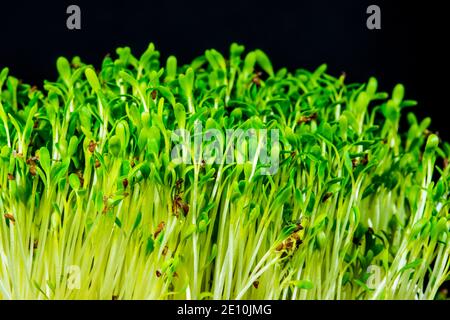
<point>282,197</point>
<point>190,231</point>
<point>249,63</point>
<point>215,59</point>
<point>418,226</point>
<point>213,254</point>
<point>137,222</point>
<point>372,86</point>
<point>319,71</point>
<point>5,152</point>
<point>28,129</point>
<point>187,81</point>
<point>150,246</point>
<point>408,103</point>
<point>143,61</point>
<point>362,102</point>
<point>73,144</point>
<point>438,228</point>
<point>74,182</point>
<point>439,190</point>
<point>114,145</point>
<point>291,137</point>
<point>203,224</point>
<point>363,285</point>
<point>432,143</point>
<point>303,284</point>
<point>171,68</point>
<point>264,62</point>
<point>77,74</point>
<point>3,76</point>
<point>122,131</point>
<point>167,94</point>
<point>91,76</point>
<point>411,265</point>
<point>180,115</point>
<point>321,240</point>
<point>208,176</point>
<point>391,111</point>
<point>398,94</point>
<point>63,67</point>
<point>129,79</point>
<point>44,159</point>
<point>115,200</point>
<point>236,50</point>
<point>154,138</point>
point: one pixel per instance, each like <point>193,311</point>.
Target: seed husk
<point>10,217</point>
<point>159,229</point>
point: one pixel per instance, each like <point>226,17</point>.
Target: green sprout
<point>93,205</point>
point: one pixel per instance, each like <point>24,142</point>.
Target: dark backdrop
<point>409,48</point>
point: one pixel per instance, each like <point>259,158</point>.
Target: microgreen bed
<point>94,207</point>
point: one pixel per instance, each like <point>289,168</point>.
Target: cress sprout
<point>358,209</point>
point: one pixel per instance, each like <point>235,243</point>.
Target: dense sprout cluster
<point>92,205</point>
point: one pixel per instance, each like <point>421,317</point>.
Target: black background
<point>410,48</point>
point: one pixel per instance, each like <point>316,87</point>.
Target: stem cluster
<point>356,210</point>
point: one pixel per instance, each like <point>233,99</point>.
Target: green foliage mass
<point>357,209</point>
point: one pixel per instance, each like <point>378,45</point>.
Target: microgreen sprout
<point>357,208</point>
